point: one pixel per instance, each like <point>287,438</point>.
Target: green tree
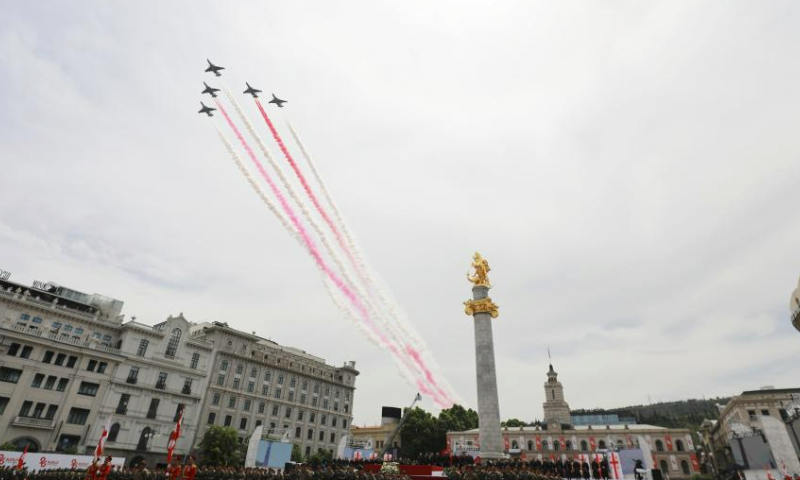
<point>323,457</point>
<point>513,422</point>
<point>297,454</point>
<point>424,433</point>
<point>220,447</point>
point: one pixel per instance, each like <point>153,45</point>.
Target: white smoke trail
<point>385,298</point>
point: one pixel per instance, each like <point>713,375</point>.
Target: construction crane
<point>387,444</point>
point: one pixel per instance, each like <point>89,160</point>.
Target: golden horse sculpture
<point>481,267</point>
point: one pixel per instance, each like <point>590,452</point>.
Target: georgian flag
<point>616,466</point>
<point>174,436</point>
<point>101,442</point>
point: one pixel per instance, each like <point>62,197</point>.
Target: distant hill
<point>681,414</point>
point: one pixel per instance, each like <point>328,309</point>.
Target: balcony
<point>161,385</point>
<point>132,380</point>
<point>59,338</point>
<point>30,422</point>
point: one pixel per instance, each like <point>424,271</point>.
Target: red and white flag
<point>174,436</point>
<point>21,461</point>
<point>101,442</point>
<point>616,466</point>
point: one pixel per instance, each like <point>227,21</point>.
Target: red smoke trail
<point>309,242</point>
<point>338,236</point>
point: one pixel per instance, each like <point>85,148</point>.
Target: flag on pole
<point>174,436</point>
<point>21,461</point>
<point>101,442</point>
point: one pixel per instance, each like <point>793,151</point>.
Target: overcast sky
<point>629,169</point>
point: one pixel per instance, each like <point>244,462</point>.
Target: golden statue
<point>481,267</point>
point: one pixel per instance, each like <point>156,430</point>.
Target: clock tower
<point>556,409</point>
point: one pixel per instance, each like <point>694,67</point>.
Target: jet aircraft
<point>213,68</point>
<point>209,90</point>
<point>206,110</point>
<point>277,101</point>
<point>252,91</point>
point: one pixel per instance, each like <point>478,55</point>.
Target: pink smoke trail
<point>356,265</point>
<point>428,375</point>
<point>307,240</point>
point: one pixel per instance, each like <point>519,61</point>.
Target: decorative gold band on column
<point>481,306</point>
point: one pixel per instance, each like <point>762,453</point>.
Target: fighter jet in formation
<point>252,91</point>
<point>277,101</point>
<point>214,69</point>
<point>206,110</point>
<point>209,90</point>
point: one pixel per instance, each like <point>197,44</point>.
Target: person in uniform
<point>174,470</point>
<point>91,472</point>
<point>104,470</point>
<point>142,473</point>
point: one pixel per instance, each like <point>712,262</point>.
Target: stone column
<point>483,310</point>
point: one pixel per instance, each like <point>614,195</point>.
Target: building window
<point>153,410</point>
<point>78,331</point>
<point>161,384</point>
<point>239,369</point>
<point>236,383</point>
<point>246,406</point>
<point>228,420</point>
<point>312,417</point>
<point>253,372</point>
<point>685,467</point>
<point>187,386</point>
<point>221,380</point>
<point>251,386</point>
<point>78,416</point>
<point>584,446</point>
<point>303,398</point>
<point>143,343</point>
<point>556,445</point>
<point>51,381</point>
<point>333,422</point>
<point>232,402</point>
<point>545,445</point>
<point>275,410</point>
<point>10,375</point>
<point>172,345</point>
<point>122,406</point>
<point>88,389</point>
<point>101,367</point>
<point>212,416</point>
<point>3,404</point>
<point>113,433</point>
<point>242,423</point>
<point>195,360</point>
<point>300,414</point>
<point>24,317</point>
<point>679,445</point>
<point>288,412</point>
<point>310,435</point>
<point>37,380</point>
<point>261,407</point>
<point>37,320</point>
<point>325,404</point>
<point>344,423</point>
<point>280,379</point>
<point>602,444</point>
<point>291,396</point>
<point>659,446</point>
<point>133,375</point>
<point>292,382</point>
<point>297,432</point>
<point>71,361</point>
<point>763,412</point>
<point>48,357</point>
<point>62,385</point>
<point>60,360</point>
<point>265,389</point>
<point>321,436</point>
<point>25,411</point>
<point>314,402</point>
<point>277,393</point>
<point>267,376</point>
<point>663,465</point>
<point>26,352</point>
<point>90,366</point>
<point>178,411</point>
<point>215,399</point>
<point>316,388</point>
<point>323,419</point>
<point>224,366</point>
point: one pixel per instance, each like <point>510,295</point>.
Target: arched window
<point>659,446</point>
<point>584,445</point>
<point>569,445</point>
<point>663,465</point>
<point>113,432</point>
<point>685,467</point>
<point>620,445</point>
<point>679,445</point>
<point>172,345</point>
<point>530,445</point>
<point>143,438</point>
<point>515,444</point>
<point>601,444</point>
<point>545,445</point>
<point>224,366</point>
